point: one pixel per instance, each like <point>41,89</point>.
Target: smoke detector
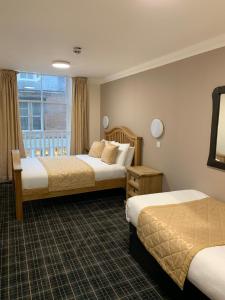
<point>77,50</point>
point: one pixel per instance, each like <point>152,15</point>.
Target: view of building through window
<point>45,113</point>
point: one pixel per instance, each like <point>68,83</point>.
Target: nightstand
<point>143,180</point>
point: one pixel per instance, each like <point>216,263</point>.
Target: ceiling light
<point>61,64</point>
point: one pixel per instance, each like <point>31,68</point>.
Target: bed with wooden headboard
<point>118,134</point>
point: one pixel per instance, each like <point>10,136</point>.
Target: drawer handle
<point>134,184</point>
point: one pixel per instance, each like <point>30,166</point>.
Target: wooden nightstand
<point>143,180</point>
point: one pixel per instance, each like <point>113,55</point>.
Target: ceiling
<point>115,34</point>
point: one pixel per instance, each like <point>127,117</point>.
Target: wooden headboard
<point>125,135</point>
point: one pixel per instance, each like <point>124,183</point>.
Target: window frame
<point>23,116</point>
<point>42,102</point>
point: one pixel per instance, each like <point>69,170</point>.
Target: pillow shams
<point>96,149</point>
<point>130,156</point>
<point>122,152</point>
<point>109,154</point>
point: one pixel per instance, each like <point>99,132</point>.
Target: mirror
<point>220,145</point>
<point>217,143</point>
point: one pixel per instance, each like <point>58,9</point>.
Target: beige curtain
<point>79,117</point>
<point>10,128</point>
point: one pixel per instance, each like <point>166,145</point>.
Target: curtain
<point>79,118</point>
<point>10,128</point>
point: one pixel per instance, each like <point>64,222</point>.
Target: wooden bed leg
<point>19,209</point>
<point>17,180</point>
<point>19,199</point>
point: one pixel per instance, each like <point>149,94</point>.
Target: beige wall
<point>94,110</point>
<point>180,95</point>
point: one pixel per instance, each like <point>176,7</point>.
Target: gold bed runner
<point>67,173</point>
<point>173,234</point>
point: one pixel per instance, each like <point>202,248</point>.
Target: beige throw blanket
<point>67,173</point>
<point>173,234</point>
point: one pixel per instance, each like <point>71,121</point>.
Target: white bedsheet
<point>102,170</point>
<point>207,269</point>
<point>35,176</point>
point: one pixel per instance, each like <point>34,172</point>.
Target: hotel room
<point>112,149</point>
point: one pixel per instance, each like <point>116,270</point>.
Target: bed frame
<point>149,264</point>
<point>119,134</point>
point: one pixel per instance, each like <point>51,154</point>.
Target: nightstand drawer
<point>132,193</point>
<point>133,178</point>
<point>133,183</point>
<point>143,180</point>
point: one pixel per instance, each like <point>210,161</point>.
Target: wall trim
<point>93,80</point>
<point>205,46</point>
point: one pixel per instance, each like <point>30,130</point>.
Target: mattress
<point>34,175</point>
<point>207,269</point>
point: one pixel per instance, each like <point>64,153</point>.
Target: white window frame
<point>30,114</point>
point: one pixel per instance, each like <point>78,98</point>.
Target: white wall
<point>94,110</point>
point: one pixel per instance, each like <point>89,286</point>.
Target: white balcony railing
<point>46,143</point>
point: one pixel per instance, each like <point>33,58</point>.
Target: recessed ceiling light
<point>61,64</point>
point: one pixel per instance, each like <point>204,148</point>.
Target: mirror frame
<point>212,162</point>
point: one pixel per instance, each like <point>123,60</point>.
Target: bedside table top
<point>143,171</point>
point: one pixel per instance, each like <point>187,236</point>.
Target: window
<point>36,116</point>
<point>24,115</point>
<point>44,102</point>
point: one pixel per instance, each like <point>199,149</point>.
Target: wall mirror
<point>217,143</point>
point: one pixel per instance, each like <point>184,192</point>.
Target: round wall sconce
<point>105,122</point>
<point>157,128</point>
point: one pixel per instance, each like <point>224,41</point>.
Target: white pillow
<point>122,152</point>
<point>129,158</point>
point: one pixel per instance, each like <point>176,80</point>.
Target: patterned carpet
<point>70,248</point>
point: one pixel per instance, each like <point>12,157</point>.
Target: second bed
<point>207,268</point>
